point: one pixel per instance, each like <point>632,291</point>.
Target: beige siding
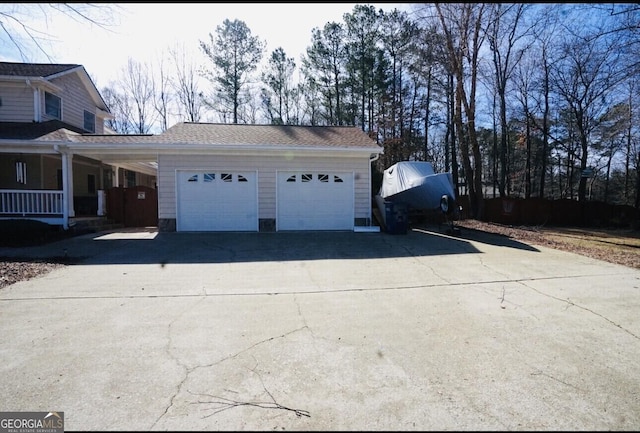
<point>75,100</point>
<point>267,167</point>
<point>17,103</point>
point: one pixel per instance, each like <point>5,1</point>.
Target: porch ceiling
<point>150,168</point>
<point>143,162</point>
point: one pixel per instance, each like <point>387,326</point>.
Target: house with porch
<point>41,106</point>
<point>56,156</point>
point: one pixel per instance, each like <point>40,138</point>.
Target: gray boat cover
<point>416,184</point>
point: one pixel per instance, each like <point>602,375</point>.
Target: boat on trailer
<point>416,186</point>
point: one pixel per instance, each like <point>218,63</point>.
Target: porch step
<point>93,225</point>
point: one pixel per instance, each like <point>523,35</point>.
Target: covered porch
<point>68,184</point>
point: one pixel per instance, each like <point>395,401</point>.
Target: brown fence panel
<point>140,206</point>
<point>565,212</point>
<point>134,206</point>
<point>624,215</point>
<point>502,210</point>
<point>115,204</point>
<point>535,211</point>
<point>560,212</point>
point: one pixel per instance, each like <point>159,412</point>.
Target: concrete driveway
<point>322,331</point>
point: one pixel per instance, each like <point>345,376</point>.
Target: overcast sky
<point>144,31</point>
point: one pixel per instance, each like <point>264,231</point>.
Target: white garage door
<point>315,201</point>
<point>216,201</point>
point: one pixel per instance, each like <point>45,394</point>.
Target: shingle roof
<point>33,69</point>
<point>213,134</point>
<point>267,135</point>
<point>50,130</point>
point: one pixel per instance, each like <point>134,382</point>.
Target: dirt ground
<point>620,246</point>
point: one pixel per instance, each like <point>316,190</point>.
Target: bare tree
<point>504,32</point>
<point>22,33</point>
<point>185,86</point>
<point>524,83</point>
<point>120,107</point>
<point>584,78</point>
<point>162,96</point>
<point>611,136</point>
<point>138,84</point>
<point>461,25</point>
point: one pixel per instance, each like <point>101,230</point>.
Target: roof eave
<point>115,147</point>
<point>173,148</point>
<point>35,81</point>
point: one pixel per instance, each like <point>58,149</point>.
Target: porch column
<point>67,184</point>
<point>116,177</point>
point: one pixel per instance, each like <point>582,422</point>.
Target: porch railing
<point>30,202</point>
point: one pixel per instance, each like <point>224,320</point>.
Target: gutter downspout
<point>372,158</point>
<point>36,102</point>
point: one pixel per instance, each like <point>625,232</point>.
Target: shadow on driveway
<point>148,246</point>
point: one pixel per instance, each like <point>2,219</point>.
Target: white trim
<point>65,192</point>
<point>78,68</point>
<point>31,81</point>
<point>37,106</point>
<point>372,158</point>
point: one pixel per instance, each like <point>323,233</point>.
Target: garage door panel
<point>217,201</point>
<point>315,201</point>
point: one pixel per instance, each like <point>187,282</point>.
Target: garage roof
<point>200,138</point>
<point>224,134</point>
<point>276,135</point>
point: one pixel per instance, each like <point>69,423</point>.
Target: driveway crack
<point>189,370</point>
<point>570,303</point>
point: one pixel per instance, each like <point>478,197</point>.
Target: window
<point>21,172</point>
<point>226,177</point>
<point>323,177</point>
<point>241,178</point>
<point>337,179</point>
<point>193,178</point>
<point>89,121</point>
<point>52,105</point>
<point>208,177</point>
<point>130,178</point>
<point>307,177</point>
<point>292,178</point>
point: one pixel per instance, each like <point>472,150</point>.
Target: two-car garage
<point>227,200</point>
<point>263,178</point>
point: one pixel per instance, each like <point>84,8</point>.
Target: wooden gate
<point>135,206</point>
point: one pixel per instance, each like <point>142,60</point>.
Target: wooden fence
<point>562,212</point>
